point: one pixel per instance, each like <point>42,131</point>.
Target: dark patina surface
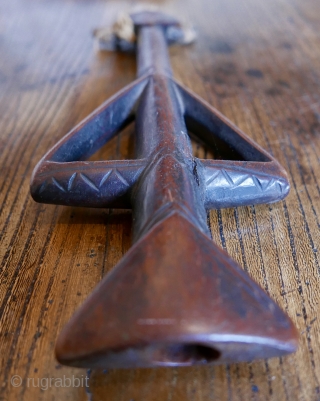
<point>175,298</point>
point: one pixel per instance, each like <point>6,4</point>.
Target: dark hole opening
<point>186,354</point>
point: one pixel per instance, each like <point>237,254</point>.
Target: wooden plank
<point>258,63</point>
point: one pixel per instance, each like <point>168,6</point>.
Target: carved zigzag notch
<point>94,184</point>
<point>62,178</point>
<point>248,175</point>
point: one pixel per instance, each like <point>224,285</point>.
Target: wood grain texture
<point>258,63</point>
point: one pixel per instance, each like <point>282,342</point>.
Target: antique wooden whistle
<point>175,298</point>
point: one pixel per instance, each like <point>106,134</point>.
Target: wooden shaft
<point>170,183</point>
<point>153,54</point>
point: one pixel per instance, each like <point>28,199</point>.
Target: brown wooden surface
<point>258,62</point>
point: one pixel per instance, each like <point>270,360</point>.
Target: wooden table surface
<point>258,62</point>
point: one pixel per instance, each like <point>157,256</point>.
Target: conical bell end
<point>175,299</point>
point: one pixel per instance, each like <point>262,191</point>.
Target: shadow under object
<point>175,298</point>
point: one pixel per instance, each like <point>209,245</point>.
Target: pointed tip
<point>175,299</point>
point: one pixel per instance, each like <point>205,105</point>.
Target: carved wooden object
<point>175,298</point>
